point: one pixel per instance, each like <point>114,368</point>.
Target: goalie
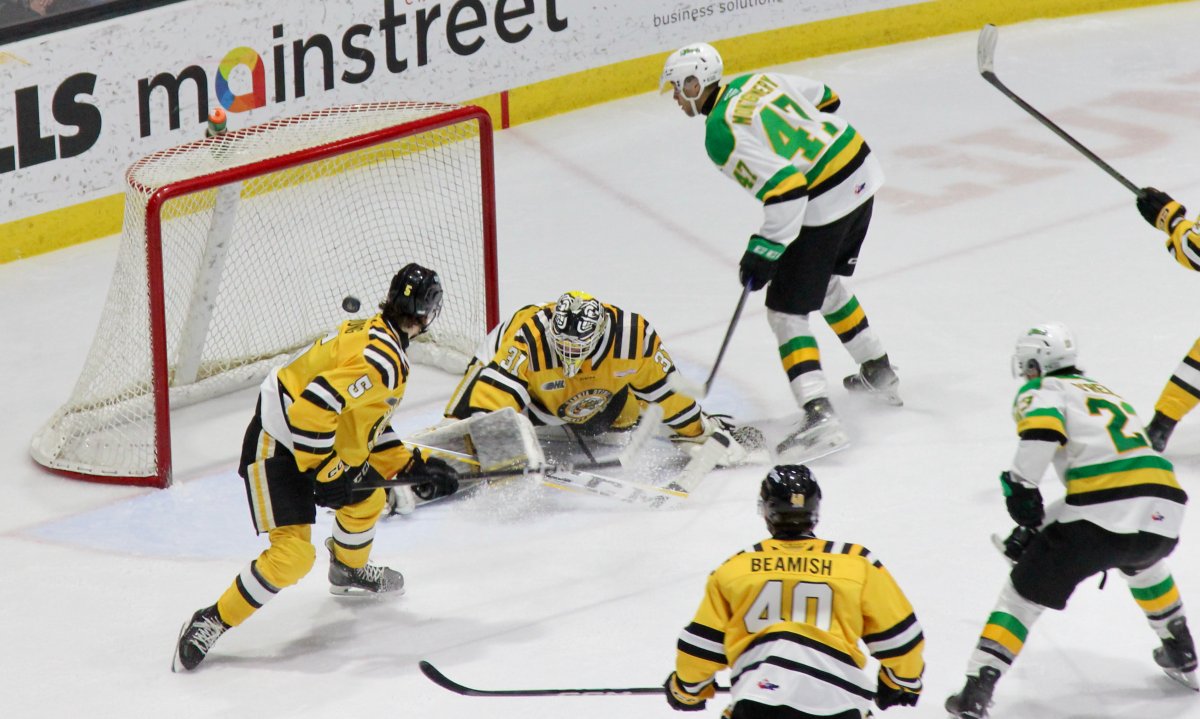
<point>591,368</point>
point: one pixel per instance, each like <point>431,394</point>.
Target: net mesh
<point>257,266</point>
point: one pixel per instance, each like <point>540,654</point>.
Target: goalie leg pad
<point>502,439</point>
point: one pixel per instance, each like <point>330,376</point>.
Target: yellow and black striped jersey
<point>786,617</point>
<point>1113,477</point>
<point>1184,245</point>
<point>335,400</point>
<point>524,372</point>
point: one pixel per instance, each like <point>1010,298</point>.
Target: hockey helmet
<point>576,327</point>
<point>699,60</point>
<point>1043,349</point>
<point>416,292</point>
<point>790,501</point>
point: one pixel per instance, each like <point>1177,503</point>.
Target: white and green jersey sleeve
<point>772,135</point>
<point>1113,477</point>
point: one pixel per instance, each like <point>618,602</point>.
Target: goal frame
<point>160,388</point>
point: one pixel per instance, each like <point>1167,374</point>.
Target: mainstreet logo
<point>243,80</point>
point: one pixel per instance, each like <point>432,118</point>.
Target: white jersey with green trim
<point>776,136</point>
<point>1114,479</point>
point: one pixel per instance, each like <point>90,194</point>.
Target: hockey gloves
<point>682,700</point>
<point>757,267</point>
<point>1159,209</point>
<point>1016,543</point>
<point>889,695</point>
<point>333,482</point>
<point>441,479</point>
<point>1024,503</point>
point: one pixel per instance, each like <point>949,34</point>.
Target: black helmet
<point>790,501</point>
<point>416,292</point>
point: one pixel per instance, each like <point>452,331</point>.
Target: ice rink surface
<point>988,223</point>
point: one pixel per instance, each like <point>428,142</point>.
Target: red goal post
<point>238,250</point>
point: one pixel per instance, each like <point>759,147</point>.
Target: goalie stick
<point>986,52</point>
<point>435,676</point>
<point>696,391</point>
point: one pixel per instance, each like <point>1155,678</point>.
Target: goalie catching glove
<point>688,697</point>
<point>435,478</point>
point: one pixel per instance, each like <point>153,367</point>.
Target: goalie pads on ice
<point>498,440</point>
<point>725,445</point>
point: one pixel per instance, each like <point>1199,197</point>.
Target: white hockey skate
<point>818,435</point>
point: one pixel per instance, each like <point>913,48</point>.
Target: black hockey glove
<point>442,479</point>
<point>1017,542</point>
<point>1159,208</point>
<point>337,492</point>
<point>758,262</point>
<point>681,700</point>
<point>1024,503</point>
<point>887,696</point>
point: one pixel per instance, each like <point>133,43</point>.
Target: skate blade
<point>177,663</point>
<point>888,397</point>
<point>360,593</point>
<point>820,447</point>
<point>1188,679</point>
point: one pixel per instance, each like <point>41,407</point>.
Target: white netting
<point>257,267</point>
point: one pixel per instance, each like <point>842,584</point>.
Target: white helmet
<point>1043,349</point>
<point>576,327</point>
<point>699,60</point>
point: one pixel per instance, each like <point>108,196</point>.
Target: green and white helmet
<point>1043,349</point>
<point>699,60</point>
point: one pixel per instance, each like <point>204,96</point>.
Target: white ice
<point>988,223</point>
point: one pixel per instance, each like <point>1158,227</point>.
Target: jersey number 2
<point>1116,426</point>
<point>812,603</point>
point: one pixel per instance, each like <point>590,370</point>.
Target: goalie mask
<point>576,327</point>
<point>1043,349</point>
<point>699,60</point>
<point>416,294</point>
<point>790,501</point>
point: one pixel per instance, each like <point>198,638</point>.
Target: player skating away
<point>786,616</point>
<point>1122,510</point>
<point>1182,392</point>
<point>777,137</point>
<point>322,424</point>
<point>590,367</point>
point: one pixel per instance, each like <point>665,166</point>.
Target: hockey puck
<point>350,303</point>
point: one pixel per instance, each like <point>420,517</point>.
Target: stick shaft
<point>437,677</point>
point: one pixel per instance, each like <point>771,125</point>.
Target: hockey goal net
<point>238,250</point>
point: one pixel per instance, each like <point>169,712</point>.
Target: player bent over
<point>1182,393</point>
<point>786,616</point>
<point>776,136</point>
<point>321,425</point>
<point>1123,510</point>
<point>591,367</point>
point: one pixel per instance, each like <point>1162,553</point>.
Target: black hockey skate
<point>198,636</point>
<point>976,696</point>
<point>370,580</point>
<point>1159,431</point>
<point>1177,655</point>
<point>819,434</point>
<point>877,378</point>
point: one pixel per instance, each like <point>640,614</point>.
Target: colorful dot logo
<point>257,97</point>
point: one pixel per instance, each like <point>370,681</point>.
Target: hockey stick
<point>986,56</point>
<point>445,682</point>
<point>695,391</point>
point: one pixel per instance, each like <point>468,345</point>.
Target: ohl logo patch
<point>581,407</point>
<point>767,684</point>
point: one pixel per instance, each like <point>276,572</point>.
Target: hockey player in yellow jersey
<point>320,427</point>
<point>1182,393</point>
<point>1123,510</point>
<point>786,617</point>
<point>778,137</point>
<point>589,366</point>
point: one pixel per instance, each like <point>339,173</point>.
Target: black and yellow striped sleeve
<point>891,631</point>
